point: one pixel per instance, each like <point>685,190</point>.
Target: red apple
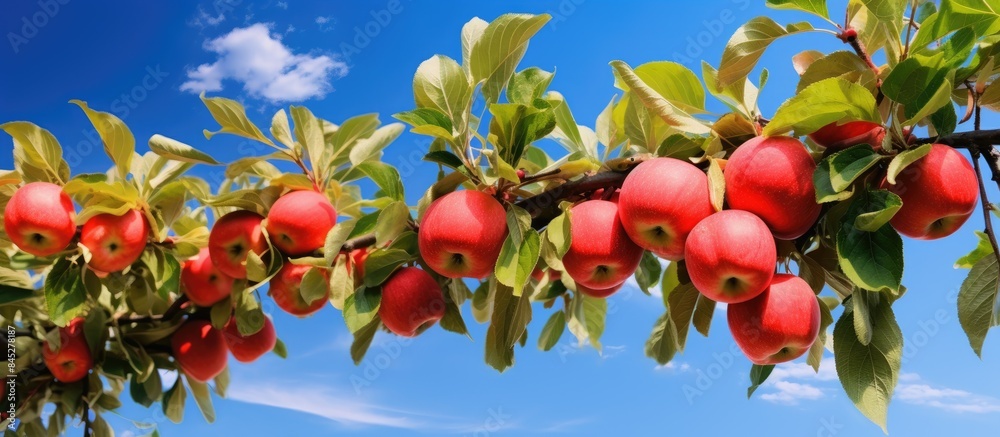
<point>411,300</point>
<point>599,195</point>
<point>599,293</point>
<point>199,350</point>
<point>249,348</point>
<point>730,256</point>
<point>284,288</point>
<point>115,242</point>
<point>299,221</point>
<point>539,274</point>
<point>660,201</point>
<point>39,219</point>
<point>600,254</point>
<point>356,259</point>
<point>772,178</point>
<point>233,236</point>
<point>839,137</point>
<point>72,361</point>
<point>462,233</point>
<point>779,324</point>
<point>202,282</point>
<point>939,193</point>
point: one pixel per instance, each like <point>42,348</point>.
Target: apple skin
<point>772,177</point>
<point>72,362</point>
<point>939,193</point>
<point>233,236</point>
<point>600,294</point>
<point>660,202</point>
<point>202,282</point>
<point>357,258</point>
<point>248,349</point>
<point>115,242</point>
<point>730,256</point>
<point>839,137</point>
<point>39,218</point>
<point>284,289</point>
<point>411,301</point>
<point>200,350</point>
<point>600,254</point>
<point>462,233</point>
<point>779,324</point>
<point>539,274</point>
<point>299,221</point>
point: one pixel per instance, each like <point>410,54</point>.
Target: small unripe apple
<point>600,294</point>
<point>199,350</point>
<point>72,361</point>
<point>600,254</point>
<point>779,324</point>
<point>233,237</point>
<point>839,137</point>
<point>115,242</point>
<point>411,301</point>
<point>285,289</point>
<point>462,233</point>
<point>39,217</point>
<point>939,193</point>
<point>299,221</point>
<point>772,177</point>
<point>247,349</point>
<point>730,256</point>
<point>660,202</point>
<point>202,282</point>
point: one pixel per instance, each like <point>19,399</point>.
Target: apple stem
<point>850,36</point>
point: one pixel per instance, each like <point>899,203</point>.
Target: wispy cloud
<point>792,383</point>
<point>322,402</point>
<point>203,19</point>
<point>265,67</point>
<point>673,366</point>
<point>943,398</point>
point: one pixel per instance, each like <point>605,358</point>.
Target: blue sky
<point>136,61</point>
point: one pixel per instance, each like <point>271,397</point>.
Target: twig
<point>850,36</point>
<point>987,206</point>
<point>358,242</point>
<point>87,432</point>
<point>909,29</point>
<point>544,207</point>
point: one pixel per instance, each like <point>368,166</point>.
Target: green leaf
<point>683,302</point>
<point>527,85</point>
<point>558,232</point>
<point>428,121</point>
<point>385,176</point>
<point>740,96</point>
<point>510,318</point>
<point>675,83</point>
<point>441,84</point>
<point>517,261</point>
<point>648,273</point>
<point>983,248</point>
<point>392,221</point>
<point>843,64</point>
<point>119,143</point>
<point>280,349</point>
<point>381,263</point>
<point>747,45</point>
<point>249,316</point>
<point>656,103</point>
<point>552,331</point>
<point>65,294</point>
<point>862,302</point>
<point>281,130</point>
<point>232,118</point>
<point>817,7</point>
<point>361,140</point>
<point>716,185</point>
<point>361,307</point>
<point>903,160</point>
<point>846,166</point>
<point>573,137</point>
<point>309,134</point>
<point>815,354</point>
<point>979,302</point>
<point>445,158</point>
<point>869,372</point>
<point>336,238</point>
<point>499,49</point>
<point>173,402</point>
<point>662,343</point>
<point>37,154</point>
<point>824,186</point>
<point>872,260</point>
<point>516,126</point>
<point>221,382</point>
<point>758,374</point>
<point>883,206</point>
<point>314,285</point>
<point>824,102</point>
<point>178,151</point>
<point>452,320</point>
<point>980,16</point>
<point>203,397</point>
<point>363,339</point>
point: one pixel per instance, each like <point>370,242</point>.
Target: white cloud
<point>283,5</point>
<point>322,20</point>
<point>947,399</point>
<point>673,366</point>
<point>791,383</point>
<point>322,402</point>
<point>204,19</point>
<point>265,66</point>
<point>790,393</point>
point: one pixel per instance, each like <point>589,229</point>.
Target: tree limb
<point>544,207</point>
